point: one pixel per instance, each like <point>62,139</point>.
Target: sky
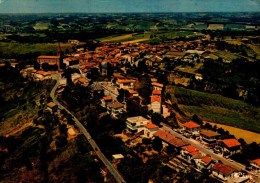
<point>125,6</point>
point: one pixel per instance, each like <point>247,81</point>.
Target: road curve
<point>83,130</point>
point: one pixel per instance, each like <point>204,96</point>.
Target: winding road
<point>83,130</point>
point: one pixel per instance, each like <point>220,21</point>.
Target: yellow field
<point>235,42</point>
<point>255,48</point>
<point>248,136</point>
<point>135,41</point>
<point>117,38</point>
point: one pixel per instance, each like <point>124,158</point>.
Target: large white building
<point>136,124</point>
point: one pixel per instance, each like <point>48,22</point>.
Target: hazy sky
<point>99,6</point>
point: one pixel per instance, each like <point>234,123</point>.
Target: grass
<point>228,56</point>
<point>41,26</point>
<point>24,48</point>
<point>218,109</point>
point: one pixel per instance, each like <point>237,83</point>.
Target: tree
<point>157,144</point>
<point>157,119</point>
<point>196,119</point>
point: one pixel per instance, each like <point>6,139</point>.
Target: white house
<point>191,128</point>
<point>115,108</point>
<point>204,162</point>
<point>136,124</point>
<point>190,152</point>
<point>125,83</point>
<point>156,103</point>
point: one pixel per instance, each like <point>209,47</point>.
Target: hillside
<point>216,108</point>
<point>35,145</point>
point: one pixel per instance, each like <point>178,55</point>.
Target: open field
<point>136,41</point>
<point>116,38</point>
<point>234,42</point>
<point>248,136</point>
<point>216,108</point>
<point>41,26</point>
<point>25,48</point>
<point>228,56</point>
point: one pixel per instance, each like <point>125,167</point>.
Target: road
<point>200,147</point>
<point>83,130</point>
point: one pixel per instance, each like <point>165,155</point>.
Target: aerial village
<point>192,146</point>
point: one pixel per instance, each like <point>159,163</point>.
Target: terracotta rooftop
<point>256,161</point>
<point>191,149</point>
<point>208,133</point>
<point>107,98</point>
<point>42,72</point>
<point>178,142</point>
<point>164,135</point>
<point>156,98</point>
<point>157,84</point>
<point>206,159</point>
<point>51,104</point>
<point>151,126</point>
<point>231,142</point>
<point>191,125</point>
<point>157,92</point>
<point>224,169</point>
<point>116,105</point>
<point>125,80</point>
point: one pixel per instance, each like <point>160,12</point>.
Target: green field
<point>41,26</point>
<point>218,109</point>
<point>25,48</point>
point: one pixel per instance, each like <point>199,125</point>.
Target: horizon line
<point>132,12</point>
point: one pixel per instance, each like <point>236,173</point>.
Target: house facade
<point>136,124</point>
<point>222,172</point>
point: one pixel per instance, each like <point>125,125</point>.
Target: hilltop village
<point>124,95</point>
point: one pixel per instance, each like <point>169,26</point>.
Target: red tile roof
<point>116,105</point>
<point>107,98</point>
<point>157,92</point>
<point>208,133</point>
<point>178,142</point>
<point>191,125</point>
<point>206,159</point>
<point>224,169</point>
<point>191,149</point>
<point>164,135</point>
<point>156,98</point>
<point>157,84</point>
<point>256,161</point>
<point>231,142</point>
<point>151,126</point>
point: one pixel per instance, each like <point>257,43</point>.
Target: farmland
<point>216,108</point>
<point>25,48</point>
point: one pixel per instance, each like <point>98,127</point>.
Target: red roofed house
<point>51,60</point>
<point>190,152</point>
<point>191,128</point>
<point>204,162</point>
<point>156,103</point>
<point>105,100</point>
<point>223,172</point>
<point>230,145</point>
<point>157,92</point>
<point>125,83</point>
<point>157,86</point>
<point>209,136</point>
<point>165,136</point>
<point>71,61</point>
<point>150,129</point>
<point>115,108</point>
<point>255,164</point>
